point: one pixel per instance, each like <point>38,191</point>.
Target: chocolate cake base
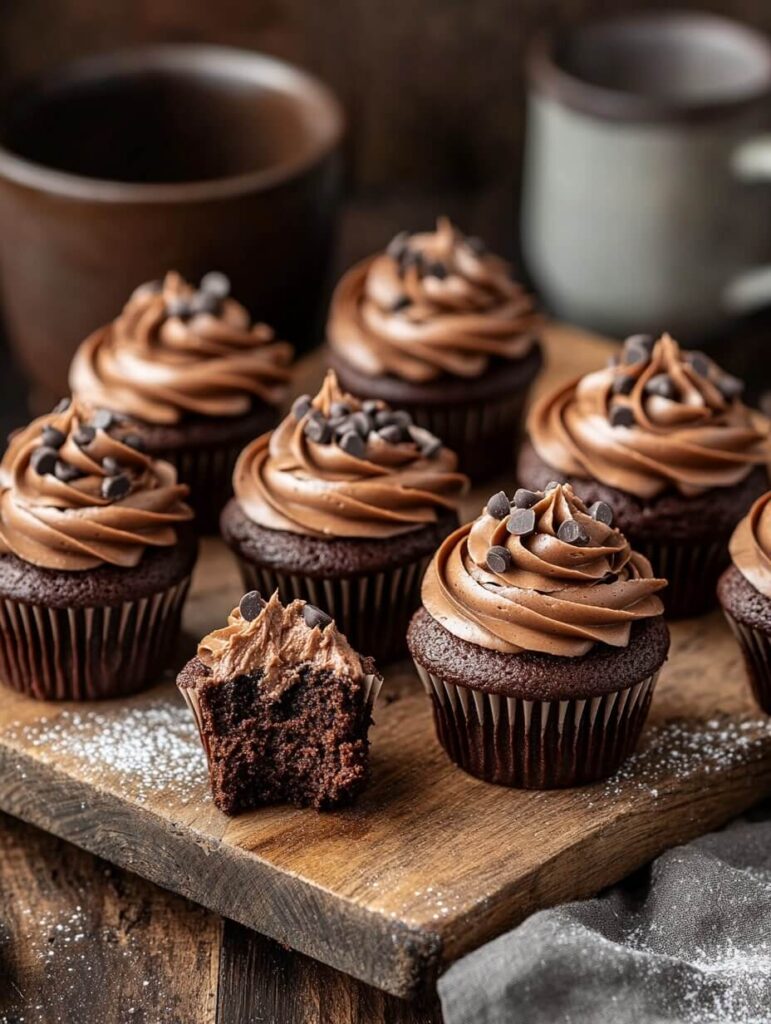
<point>370,587</point>
<point>478,418</point>
<point>537,721</point>
<point>748,613</point>
<point>92,635</point>
<point>304,744</point>
<point>685,539</point>
<point>204,451</point>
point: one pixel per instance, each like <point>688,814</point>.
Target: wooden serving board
<point>430,863</point>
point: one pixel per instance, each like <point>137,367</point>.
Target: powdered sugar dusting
<point>153,749</point>
<point>683,750</point>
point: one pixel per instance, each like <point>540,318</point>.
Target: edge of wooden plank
<point>403,961</point>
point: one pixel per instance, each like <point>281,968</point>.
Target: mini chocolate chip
<point>476,245</point>
<point>204,302</point>
<point>498,559</point>
<point>662,385</point>
<point>353,444</point>
<point>179,306</point>
<point>521,522</point>
<point>402,418</point>
<point>551,486</point>
<point>437,269</point>
<point>622,385</point>
<point>134,441</point>
<point>523,498</point>
<point>637,348</point>
<point>397,246</point>
<point>572,532</point>
<point>115,487</point>
<point>318,429</point>
<point>602,512</point>
<point>53,438</point>
<point>84,435</point>
<point>431,447</point>
<point>392,434</point>
<point>251,605</point>
<point>315,617</point>
<point>339,409</point>
<point>698,362</point>
<point>216,283</point>
<point>371,407</point>
<point>729,387</point>
<point>390,417</point>
<point>622,416</point>
<point>401,303</point>
<point>44,460</point>
<point>62,405</point>
<point>498,505</point>
<point>66,472</point>
<point>301,406</point>
<point>361,423</point>
<point>103,419</point>
<point>110,465</point>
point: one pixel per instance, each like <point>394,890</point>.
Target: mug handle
<point>751,290</point>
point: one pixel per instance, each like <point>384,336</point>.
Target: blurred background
<point>434,91</point>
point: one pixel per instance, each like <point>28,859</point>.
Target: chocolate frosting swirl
<point>548,594</point>
<point>750,545</point>
<point>102,503</point>
<point>433,303</point>
<point>284,480</point>
<point>175,351</point>
<point>660,419</point>
<point>276,639</point>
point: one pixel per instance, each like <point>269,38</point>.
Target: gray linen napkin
<point>685,941</point>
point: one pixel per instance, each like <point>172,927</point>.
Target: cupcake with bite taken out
<point>342,505</point>
<point>283,705</point>
<point>96,552</point>
<point>187,372</point>
<point>539,641</point>
<point>744,591</point>
<point>663,436</point>
<point>435,325</point>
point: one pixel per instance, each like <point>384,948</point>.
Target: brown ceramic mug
<point>198,158</point>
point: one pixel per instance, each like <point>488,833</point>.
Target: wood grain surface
<point>430,863</point>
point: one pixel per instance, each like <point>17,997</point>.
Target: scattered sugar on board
<point>151,749</point>
<point>682,750</point>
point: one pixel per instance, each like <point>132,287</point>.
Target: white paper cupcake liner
<point>536,744</point>
<point>373,611</point>
<point>691,569</point>
<point>756,648</point>
<point>88,653</point>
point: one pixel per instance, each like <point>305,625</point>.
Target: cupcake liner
<point>88,653</point>
<point>208,472</point>
<point>482,434</point>
<point>372,685</point>
<point>373,611</point>
<point>692,570</point>
<point>756,648</point>
<point>537,744</point>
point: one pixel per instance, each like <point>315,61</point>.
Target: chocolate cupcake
<point>283,705</point>
<point>435,325</point>
<point>342,506</point>
<point>189,374</point>
<point>744,590</point>
<point>539,642</point>
<point>663,436</point>
<point>95,560</point>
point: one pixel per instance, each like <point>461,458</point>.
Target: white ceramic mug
<point>645,205</point>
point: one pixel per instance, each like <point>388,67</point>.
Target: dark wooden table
<point>82,942</point>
